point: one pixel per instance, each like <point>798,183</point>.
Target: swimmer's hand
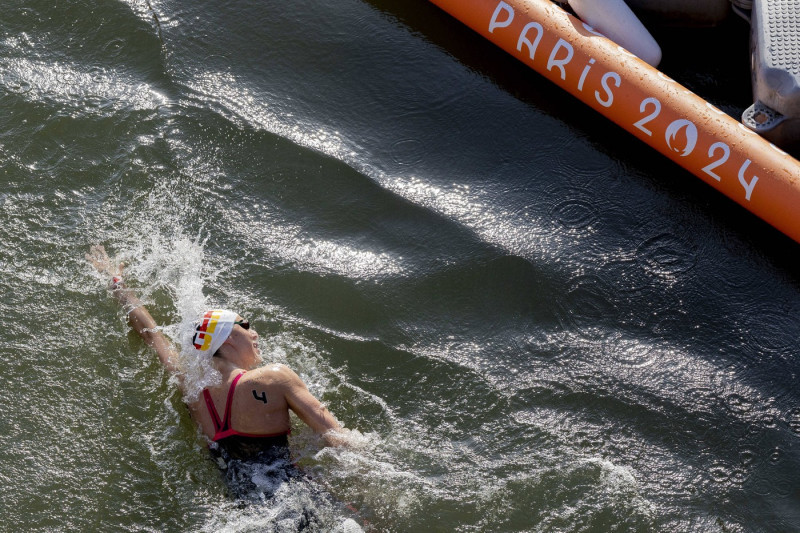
<point>99,259</point>
<point>341,438</point>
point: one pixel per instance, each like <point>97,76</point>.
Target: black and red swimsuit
<point>233,444</point>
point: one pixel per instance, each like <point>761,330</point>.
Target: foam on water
<point>160,261</point>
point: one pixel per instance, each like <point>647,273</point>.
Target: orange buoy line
<point>656,109</point>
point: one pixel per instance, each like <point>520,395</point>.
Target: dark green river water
<point>533,321</point>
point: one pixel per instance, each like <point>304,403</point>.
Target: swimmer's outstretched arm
<point>138,316</point>
<point>306,406</point>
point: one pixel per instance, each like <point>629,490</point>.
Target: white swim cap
<point>213,329</point>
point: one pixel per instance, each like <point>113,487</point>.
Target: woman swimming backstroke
<point>246,415</point>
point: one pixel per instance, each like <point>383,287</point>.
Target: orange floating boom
<point>656,109</point>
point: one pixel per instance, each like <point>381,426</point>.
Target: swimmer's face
<point>247,337</point>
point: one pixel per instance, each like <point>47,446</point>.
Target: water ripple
<point>667,255</point>
<point>408,152</point>
<point>574,213</point>
<point>574,208</point>
<point>587,306</point>
<point>768,330</point>
<point>633,353</point>
<point>793,420</point>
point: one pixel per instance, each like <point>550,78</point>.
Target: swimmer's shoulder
<point>272,374</point>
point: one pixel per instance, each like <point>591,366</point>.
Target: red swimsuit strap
<point>221,426</point>
<point>212,410</point>
<point>226,424</point>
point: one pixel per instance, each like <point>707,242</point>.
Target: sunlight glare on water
<point>529,321</point>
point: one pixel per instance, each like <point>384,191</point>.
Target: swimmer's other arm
<point>309,409</point>
<point>138,316</point>
<point>142,322</point>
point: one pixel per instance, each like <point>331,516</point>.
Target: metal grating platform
<point>781,32</point>
<point>775,45</point>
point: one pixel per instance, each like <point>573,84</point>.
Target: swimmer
<point>246,416</point>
